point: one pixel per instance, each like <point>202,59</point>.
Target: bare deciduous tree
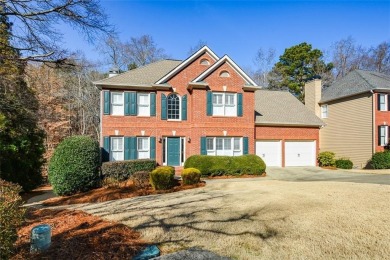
<point>113,49</point>
<point>196,47</point>
<point>264,61</point>
<point>379,58</point>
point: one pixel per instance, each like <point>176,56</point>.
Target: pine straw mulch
<point>121,191</point>
<point>237,176</point>
<point>78,235</point>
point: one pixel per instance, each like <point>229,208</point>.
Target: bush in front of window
<point>381,160</point>
<point>344,163</point>
<point>123,170</point>
<point>162,178</point>
<point>226,165</point>
<point>190,176</point>
<point>326,158</point>
<point>74,166</point>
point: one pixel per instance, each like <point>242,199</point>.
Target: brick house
<point>170,110</point>
<point>356,110</point>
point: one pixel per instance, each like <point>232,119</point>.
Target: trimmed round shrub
<point>344,163</point>
<point>326,158</point>
<point>11,216</point>
<point>381,160</point>
<point>226,165</point>
<point>162,178</point>
<point>74,166</point>
<point>190,176</point>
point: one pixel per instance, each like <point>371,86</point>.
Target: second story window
<point>324,111</point>
<point>382,102</point>
<point>173,109</point>
<point>224,104</point>
<point>143,104</point>
<point>117,103</point>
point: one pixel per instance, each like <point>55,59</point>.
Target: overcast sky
<point>240,28</point>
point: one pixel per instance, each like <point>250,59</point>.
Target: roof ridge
<point>358,72</point>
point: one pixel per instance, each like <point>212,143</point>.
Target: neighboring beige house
<point>356,111</point>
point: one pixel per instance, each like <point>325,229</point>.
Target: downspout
<point>373,121</point>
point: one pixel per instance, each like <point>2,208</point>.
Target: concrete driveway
<point>319,174</point>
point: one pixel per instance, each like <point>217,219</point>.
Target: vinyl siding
<point>348,130</point>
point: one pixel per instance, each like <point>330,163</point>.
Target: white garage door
<point>270,152</point>
<point>300,153</point>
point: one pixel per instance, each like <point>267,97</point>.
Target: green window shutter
<point>127,103</point>
<point>106,149</point>
<point>152,104</point>
<point>239,104</point>
<point>152,147</point>
<point>127,148</point>
<point>133,103</point>
<point>106,101</point>
<point>245,144</point>
<point>133,148</point>
<point>184,107</point>
<point>209,97</point>
<point>163,107</point>
<point>203,149</point>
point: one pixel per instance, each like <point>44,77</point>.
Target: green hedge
<point>123,170</point>
<point>190,176</point>
<point>326,158</point>
<point>226,165</point>
<point>162,178</point>
<point>74,166</point>
<point>381,160</point>
<point>344,163</point>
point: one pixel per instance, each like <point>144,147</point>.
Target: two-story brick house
<point>170,110</point>
<point>356,110</point>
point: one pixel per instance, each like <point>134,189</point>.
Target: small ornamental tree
<point>74,166</point>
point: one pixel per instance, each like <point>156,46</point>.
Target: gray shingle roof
<point>145,75</point>
<point>282,108</point>
<point>355,82</point>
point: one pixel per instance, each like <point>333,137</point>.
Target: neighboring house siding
<point>348,131</point>
<point>381,118</point>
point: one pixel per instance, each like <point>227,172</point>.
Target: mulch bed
<point>329,167</point>
<point>237,177</point>
<point>78,235</point>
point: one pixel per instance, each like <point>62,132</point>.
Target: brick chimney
<point>313,96</point>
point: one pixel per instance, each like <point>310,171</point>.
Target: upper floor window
<point>117,103</point>
<point>382,102</point>
<point>173,103</point>
<point>224,74</point>
<point>224,104</point>
<point>204,62</point>
<point>324,111</point>
<point>143,104</point>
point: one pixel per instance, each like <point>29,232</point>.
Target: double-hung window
<point>143,148</point>
<point>143,104</point>
<point>117,103</point>
<point>224,146</point>
<point>117,149</point>
<point>382,102</point>
<point>383,135</point>
<point>224,104</point>
<point>324,111</point>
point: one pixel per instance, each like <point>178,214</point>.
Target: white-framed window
<point>204,62</point>
<point>383,135</point>
<point>231,146</point>
<point>224,104</point>
<point>173,109</point>
<point>224,74</point>
<point>143,147</point>
<point>324,111</point>
<point>143,104</point>
<point>117,151</point>
<point>382,102</point>
<point>117,103</point>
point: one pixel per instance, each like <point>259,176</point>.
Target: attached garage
<point>300,153</point>
<point>270,152</point>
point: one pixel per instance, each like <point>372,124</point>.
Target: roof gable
<point>186,62</point>
<point>224,59</point>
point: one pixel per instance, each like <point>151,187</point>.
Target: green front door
<point>173,151</point>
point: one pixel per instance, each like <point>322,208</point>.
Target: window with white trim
<point>143,148</point>
<point>324,111</point>
<point>204,62</point>
<point>173,107</point>
<point>143,104</point>
<point>231,146</point>
<point>224,74</point>
<point>224,104</point>
<point>117,153</point>
<point>382,102</point>
<point>117,103</point>
<point>383,135</point>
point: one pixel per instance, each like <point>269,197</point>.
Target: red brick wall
<point>381,118</point>
<point>287,133</point>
